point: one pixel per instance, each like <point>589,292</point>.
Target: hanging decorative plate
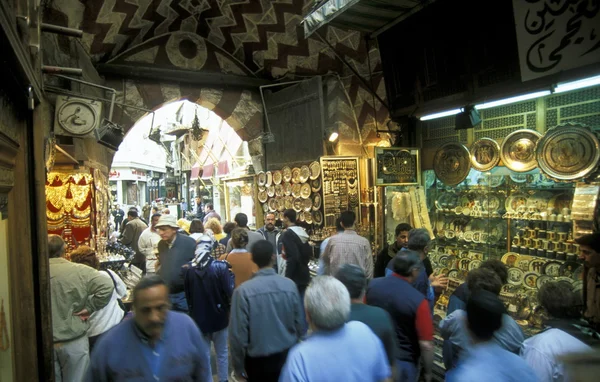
<point>262,188</point>
<point>536,265</point>
<point>286,173</point>
<point>269,175</point>
<point>308,217</point>
<point>280,203</point>
<point>278,190</point>
<point>530,280</point>
<point>515,276</point>
<point>272,207</point>
<point>451,163</point>
<point>295,175</point>
<point>492,181</point>
<point>541,280</point>
<point>491,203</point>
<point>271,191</point>
<point>552,268</point>
<point>510,259</point>
<point>305,191</point>
<point>304,174</point>
<point>485,154</point>
<point>568,269</point>
<point>578,274</point>
<point>262,196</point>
<point>297,204</point>
<point>518,178</point>
<point>315,170</point>
<point>277,177</point>
<point>453,274</point>
<point>515,201</point>
<point>287,188</point>
<point>307,204</point>
<point>318,217</point>
<point>474,264</point>
<point>316,185</point>
<point>296,188</point>
<point>518,150</point>
<point>568,152</point>
<point>289,202</point>
<point>262,179</point>
<point>301,217</point>
<point>265,208</point>
<point>316,201</point>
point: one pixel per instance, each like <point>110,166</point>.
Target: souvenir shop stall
<point>77,209</point>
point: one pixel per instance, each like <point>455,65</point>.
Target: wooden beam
<point>178,75</point>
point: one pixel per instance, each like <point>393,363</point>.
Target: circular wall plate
<point>485,154</point>
<point>452,163</point>
<point>518,150</point>
<point>568,152</point>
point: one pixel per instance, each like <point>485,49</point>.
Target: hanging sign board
<point>553,36</point>
<point>397,166</point>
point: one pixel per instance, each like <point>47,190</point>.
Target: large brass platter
<point>452,163</point>
<point>316,185</point>
<point>316,201</point>
<point>568,152</point>
<point>279,190</point>
<point>304,174</point>
<point>518,150</point>
<point>485,154</point>
<point>296,189</point>
<point>262,179</point>
<point>315,170</point>
<point>286,172</point>
<point>295,175</point>
<point>287,188</point>
<point>318,217</point>
<point>305,191</point>
<point>271,191</point>
<point>269,179</point>
<point>277,177</point>
<point>262,196</point>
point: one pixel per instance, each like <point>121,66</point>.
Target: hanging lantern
<point>197,132</point>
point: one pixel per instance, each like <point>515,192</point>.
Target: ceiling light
<point>574,85</point>
<point>333,136</point>
<point>446,113</point>
<point>506,101</point>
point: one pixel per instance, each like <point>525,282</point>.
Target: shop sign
<point>555,35</point>
<point>397,166</point>
<point>114,174</point>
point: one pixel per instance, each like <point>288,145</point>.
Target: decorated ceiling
<point>259,38</point>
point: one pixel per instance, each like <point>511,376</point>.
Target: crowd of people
<point>250,295</point>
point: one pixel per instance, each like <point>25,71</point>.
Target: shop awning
<point>368,16</point>
<point>223,168</point>
<point>208,171</point>
<point>195,171</point>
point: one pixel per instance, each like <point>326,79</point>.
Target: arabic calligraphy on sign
<point>396,166</point>
<point>556,35</point>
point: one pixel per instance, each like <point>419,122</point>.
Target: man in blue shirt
<point>156,345</point>
<point>337,351</point>
<point>486,360</point>
<point>454,329</point>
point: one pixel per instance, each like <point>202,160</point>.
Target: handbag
<point>119,301</point>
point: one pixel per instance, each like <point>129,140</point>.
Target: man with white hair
<point>327,304</point>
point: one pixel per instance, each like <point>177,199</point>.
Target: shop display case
<point>240,197</point>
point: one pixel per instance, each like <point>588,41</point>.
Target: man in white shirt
<point>147,244</point>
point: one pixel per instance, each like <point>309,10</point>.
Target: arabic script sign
<point>556,35</point>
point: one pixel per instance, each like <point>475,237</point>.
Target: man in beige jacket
<point>76,291</point>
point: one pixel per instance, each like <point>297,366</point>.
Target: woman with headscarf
<point>104,319</point>
<point>240,259</point>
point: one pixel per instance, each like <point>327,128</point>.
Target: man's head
<point>196,226</point>
<point>263,253</point>
<point>407,264</point>
<point>589,250</point>
<point>338,225</point>
<point>484,279</point>
<point>239,238</point>
<point>167,227</point>
<point>132,214</point>
<point>401,232</point>
<point>484,315</point>
<point>117,206</point>
<point>498,267</point>
<point>419,240</point>
<point>347,219</point>
<point>241,219</point>
<point>86,256</point>
<point>327,303</point>
<point>270,221</point>
<point>289,217</point>
<point>154,220</point>
<point>155,210</point>
<point>151,305</point>
<point>198,200</point>
<point>208,207</point>
<point>559,300</point>
<point>56,246</point>
<point>228,227</point>
<point>354,279</point>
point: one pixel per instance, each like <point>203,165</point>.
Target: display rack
<point>341,188</point>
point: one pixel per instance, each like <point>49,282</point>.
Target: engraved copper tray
<point>485,154</point>
<point>518,150</point>
<point>568,152</point>
<point>452,163</point>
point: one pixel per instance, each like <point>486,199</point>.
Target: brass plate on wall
<point>485,154</point>
<point>286,172</point>
<point>518,150</point>
<point>568,152</point>
<point>315,170</point>
<point>452,163</point>
<point>262,179</point>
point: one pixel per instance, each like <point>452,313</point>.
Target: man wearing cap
<point>174,250</point>
<point>410,312</point>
